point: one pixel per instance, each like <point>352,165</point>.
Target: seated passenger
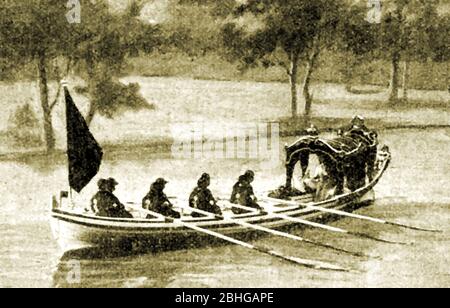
<point>326,181</point>
<point>243,193</point>
<point>157,201</point>
<point>312,180</point>
<point>201,197</point>
<point>105,203</point>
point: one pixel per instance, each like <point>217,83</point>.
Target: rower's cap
<point>112,182</point>
<point>204,179</point>
<point>205,176</point>
<point>249,174</point>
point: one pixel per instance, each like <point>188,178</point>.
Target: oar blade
<point>352,215</point>
<point>314,264</point>
<point>318,265</point>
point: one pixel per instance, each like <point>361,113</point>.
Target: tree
<point>286,33</point>
<point>35,31</point>
<point>419,30</point>
<point>358,39</point>
<point>193,26</point>
<point>405,33</point>
<point>407,29</point>
<point>41,32</point>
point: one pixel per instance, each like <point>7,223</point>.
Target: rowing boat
<point>75,228</point>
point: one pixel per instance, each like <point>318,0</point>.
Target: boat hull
<point>74,232</point>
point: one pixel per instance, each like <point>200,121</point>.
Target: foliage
<point>193,26</point>
<point>100,49</point>
<point>114,98</point>
<point>356,34</point>
<point>440,40</point>
<point>283,32</point>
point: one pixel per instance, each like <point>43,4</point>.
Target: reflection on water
<point>413,191</point>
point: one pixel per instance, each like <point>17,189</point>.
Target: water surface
<point>413,191</point>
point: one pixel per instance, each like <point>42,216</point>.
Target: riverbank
<point>220,108</point>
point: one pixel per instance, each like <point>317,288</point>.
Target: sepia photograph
<point>195,145</point>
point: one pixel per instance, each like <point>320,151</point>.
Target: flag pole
<point>71,197</point>
<point>64,85</point>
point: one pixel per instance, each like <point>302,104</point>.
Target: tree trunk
<point>306,84</point>
<point>293,74</point>
<point>47,112</point>
<point>405,80</point>
<point>91,113</point>
<point>394,84</point>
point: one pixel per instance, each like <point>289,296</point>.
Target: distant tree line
<point>291,32</point>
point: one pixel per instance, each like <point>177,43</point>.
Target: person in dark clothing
<point>105,203</point>
<point>363,166</point>
<point>201,197</point>
<point>243,193</point>
<point>157,201</point>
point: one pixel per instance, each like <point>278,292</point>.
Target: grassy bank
<point>424,76</point>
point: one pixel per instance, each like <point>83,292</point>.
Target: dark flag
<point>85,154</point>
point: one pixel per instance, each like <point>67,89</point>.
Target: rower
<point>105,203</point>
<point>201,197</point>
<point>157,201</point>
<point>243,193</point>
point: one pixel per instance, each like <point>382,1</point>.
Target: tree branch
<point>55,101</point>
<point>288,69</point>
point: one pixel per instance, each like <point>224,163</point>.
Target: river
<point>415,191</point>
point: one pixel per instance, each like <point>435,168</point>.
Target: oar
<point>279,233</point>
<point>351,215</point>
<point>299,261</point>
<point>322,226</point>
